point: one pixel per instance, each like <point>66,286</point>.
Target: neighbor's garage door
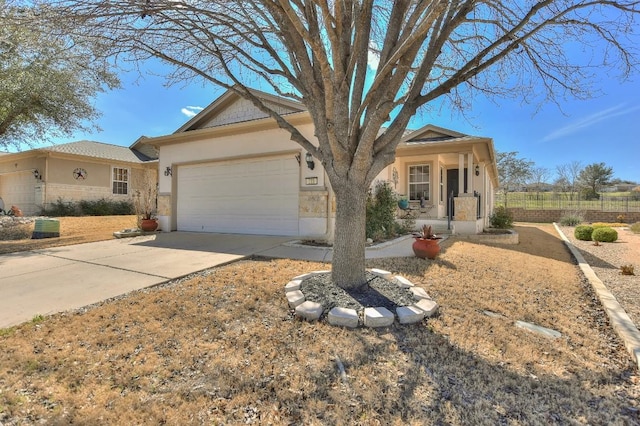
<point>18,189</point>
<point>257,196</point>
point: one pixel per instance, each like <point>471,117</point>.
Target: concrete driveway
<point>62,278</point>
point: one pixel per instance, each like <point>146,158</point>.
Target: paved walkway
<point>69,277</point>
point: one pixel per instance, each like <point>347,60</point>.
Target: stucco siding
<point>60,171</point>
<point>252,144</point>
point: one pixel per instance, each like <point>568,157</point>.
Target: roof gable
<point>431,133</point>
<point>232,108</point>
<point>141,147</point>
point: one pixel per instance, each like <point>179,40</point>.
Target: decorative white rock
<point>409,314</point>
<point>403,282</point>
<point>381,273</point>
<point>419,293</point>
<point>378,317</point>
<point>343,317</point>
<point>309,310</point>
<point>429,307</point>
<point>292,285</point>
<point>295,298</point>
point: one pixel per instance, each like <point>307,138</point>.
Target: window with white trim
<point>120,180</point>
<point>419,181</point>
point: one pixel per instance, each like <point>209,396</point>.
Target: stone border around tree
<point>424,306</point>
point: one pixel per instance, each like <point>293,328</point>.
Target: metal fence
<point>565,201</point>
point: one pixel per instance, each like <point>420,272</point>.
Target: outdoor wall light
<point>37,175</point>
<point>477,170</point>
<point>309,159</point>
<point>168,171</point>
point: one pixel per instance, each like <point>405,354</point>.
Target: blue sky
<point>604,129</point>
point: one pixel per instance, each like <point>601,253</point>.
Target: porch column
<point>470,173</point>
<point>460,174</point>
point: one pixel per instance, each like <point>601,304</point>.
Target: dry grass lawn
<point>223,348</point>
<point>73,230</point>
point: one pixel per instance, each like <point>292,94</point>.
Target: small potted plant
<point>403,202</point>
<point>144,203</point>
<point>426,244</point>
<point>148,222</point>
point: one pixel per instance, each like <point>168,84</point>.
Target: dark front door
<point>452,186</point>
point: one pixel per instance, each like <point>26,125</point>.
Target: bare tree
<point>363,68</point>
<point>568,175</point>
<point>539,176</point>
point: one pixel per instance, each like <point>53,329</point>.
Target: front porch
<point>468,219</point>
<point>448,179</point>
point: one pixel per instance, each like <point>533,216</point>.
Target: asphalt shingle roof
<point>100,150</point>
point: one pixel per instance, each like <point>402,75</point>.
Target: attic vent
<point>434,139</point>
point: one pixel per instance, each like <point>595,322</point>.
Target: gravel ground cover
<point>606,260</point>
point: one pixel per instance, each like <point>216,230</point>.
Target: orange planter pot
<point>426,249</point>
<point>148,225</point>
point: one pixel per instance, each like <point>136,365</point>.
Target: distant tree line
<point>577,181</point>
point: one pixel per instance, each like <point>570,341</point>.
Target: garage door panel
<point>252,197</point>
<point>18,189</point>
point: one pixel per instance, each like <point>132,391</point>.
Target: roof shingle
<point>100,150</point>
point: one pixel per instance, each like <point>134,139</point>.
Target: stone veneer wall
<point>164,204</point>
<point>55,191</point>
<point>313,203</point>
<point>548,216</point>
<point>465,208</point>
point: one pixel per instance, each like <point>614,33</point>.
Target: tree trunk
<point>348,270</point>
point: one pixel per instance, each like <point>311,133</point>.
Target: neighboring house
<point>620,187</point>
<point>74,171</point>
<point>230,169</point>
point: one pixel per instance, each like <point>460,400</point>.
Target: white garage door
<point>18,189</point>
<point>258,196</point>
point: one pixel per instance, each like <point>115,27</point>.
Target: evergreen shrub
<point>381,212</point>
<point>604,235</point>
<point>583,232</point>
<point>501,218</point>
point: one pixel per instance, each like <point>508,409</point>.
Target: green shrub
<point>583,232</point>
<point>381,212</point>
<point>105,207</point>
<point>62,208</point>
<point>501,218</point>
<point>635,228</point>
<point>571,219</point>
<point>101,207</point>
<point>604,235</point>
